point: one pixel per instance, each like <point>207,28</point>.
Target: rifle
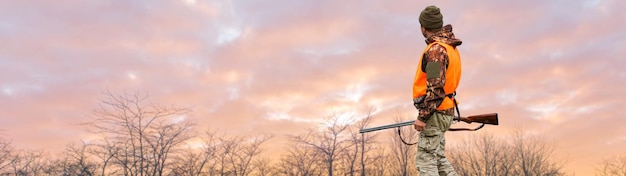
<point>490,118</point>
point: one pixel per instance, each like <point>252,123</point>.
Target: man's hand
<point>419,125</point>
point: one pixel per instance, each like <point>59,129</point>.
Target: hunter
<point>436,79</point>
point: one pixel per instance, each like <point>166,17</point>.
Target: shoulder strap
<point>456,105</point>
<point>403,139</point>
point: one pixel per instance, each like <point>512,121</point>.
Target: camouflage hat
<point>431,18</point>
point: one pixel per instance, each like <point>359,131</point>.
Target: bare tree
<point>615,165</point>
<point>39,162</point>
<point>246,153</point>
<point>226,149</point>
<point>360,145</point>
<point>403,155</point>
<point>191,162</point>
<point>482,154</point>
<point>166,136</point>
<point>331,142</point>
<point>6,151</point>
<point>262,167</point>
<point>77,160</point>
<point>25,162</point>
<point>521,154</point>
<point>210,152</point>
<point>142,136</point>
<point>301,159</point>
<point>381,163</point>
<point>106,151</point>
<point>222,155</point>
<point>53,167</point>
<point>534,155</point>
<point>202,160</point>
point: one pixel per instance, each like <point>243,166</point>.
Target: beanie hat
<point>431,18</point>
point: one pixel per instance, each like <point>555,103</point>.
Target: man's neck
<point>428,34</point>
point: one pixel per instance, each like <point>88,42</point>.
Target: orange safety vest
<point>453,76</point>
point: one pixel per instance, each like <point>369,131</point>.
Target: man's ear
<point>423,31</point>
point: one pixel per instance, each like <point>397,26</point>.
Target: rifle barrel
<point>367,130</point>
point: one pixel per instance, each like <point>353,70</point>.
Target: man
<point>436,79</point>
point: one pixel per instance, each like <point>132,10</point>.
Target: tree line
<point>141,140</point>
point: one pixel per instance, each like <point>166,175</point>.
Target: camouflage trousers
<point>430,159</point>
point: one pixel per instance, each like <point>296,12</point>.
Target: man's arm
<point>436,62</point>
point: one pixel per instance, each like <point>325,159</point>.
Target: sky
<point>551,68</point>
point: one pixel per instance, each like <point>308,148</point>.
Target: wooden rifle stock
<point>490,118</point>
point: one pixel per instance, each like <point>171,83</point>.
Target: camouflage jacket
<point>434,91</point>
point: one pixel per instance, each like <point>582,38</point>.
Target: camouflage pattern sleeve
<point>436,62</point>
